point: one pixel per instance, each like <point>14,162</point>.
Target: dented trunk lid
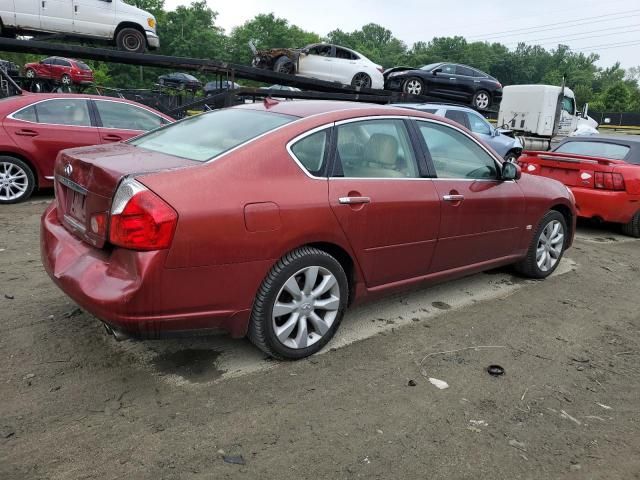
<point>86,180</point>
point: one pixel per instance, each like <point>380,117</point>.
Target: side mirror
<point>511,171</point>
<point>437,71</point>
<point>585,111</point>
<point>495,132</point>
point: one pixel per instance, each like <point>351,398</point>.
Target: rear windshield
<point>83,66</point>
<point>595,149</point>
<point>208,135</point>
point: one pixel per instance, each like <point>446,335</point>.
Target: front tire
<point>361,80</point>
<point>30,73</point>
<point>632,228</point>
<point>414,86</point>
<point>65,80</point>
<point>17,181</point>
<point>284,65</point>
<point>299,305</point>
<point>481,100</point>
<point>546,248</point>
<point>131,40</point>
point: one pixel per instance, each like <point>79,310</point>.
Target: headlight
<point>151,22</point>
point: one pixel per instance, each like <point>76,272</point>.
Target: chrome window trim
<point>393,117</point>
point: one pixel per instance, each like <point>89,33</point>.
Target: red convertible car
<point>35,127</point>
<point>603,172</point>
<point>268,220</point>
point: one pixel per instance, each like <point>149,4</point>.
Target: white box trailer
<point>539,115</point>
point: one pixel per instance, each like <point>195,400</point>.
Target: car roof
<point>437,106</point>
<point>621,139</point>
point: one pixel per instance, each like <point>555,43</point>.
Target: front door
<point>43,129</point>
<point>317,63</point>
<point>94,17</point>
<point>119,121</point>
<point>481,215</point>
<point>388,212</point>
<point>27,12</point>
<point>56,15</point>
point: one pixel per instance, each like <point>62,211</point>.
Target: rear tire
<point>17,181</point>
<point>511,156</point>
<point>547,247</point>
<point>481,100</point>
<point>65,80</point>
<point>131,40</point>
<point>310,289</point>
<point>632,228</point>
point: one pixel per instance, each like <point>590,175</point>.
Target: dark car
<point>179,80</point>
<point>217,86</point>
<point>269,219</point>
<point>449,81</point>
<point>11,68</point>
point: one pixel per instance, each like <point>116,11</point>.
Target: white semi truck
<point>541,115</point>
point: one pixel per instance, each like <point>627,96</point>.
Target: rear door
<point>25,14</point>
<point>43,129</point>
<point>94,17</point>
<point>118,121</point>
<point>388,211</point>
<point>464,84</point>
<point>345,66</point>
<point>481,215</point>
<point>56,15</point>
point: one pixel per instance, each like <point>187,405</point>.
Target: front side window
<point>458,117</point>
<point>449,69</point>
<point>322,50</point>
<point>375,149</point>
<point>127,117</point>
<point>568,105</point>
<point>478,125</point>
<point>311,152</point>
<point>64,111</point>
<point>454,155</point>
<point>209,135</point>
<point>595,149</point>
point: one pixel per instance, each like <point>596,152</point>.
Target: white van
<point>130,28</point>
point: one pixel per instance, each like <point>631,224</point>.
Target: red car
<point>267,220</point>
<point>64,70</point>
<point>603,172</point>
<point>35,127</point>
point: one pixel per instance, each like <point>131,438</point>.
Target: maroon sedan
<point>268,220</point>
<point>67,71</point>
<point>35,127</point>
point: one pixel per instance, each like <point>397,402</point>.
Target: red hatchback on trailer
<point>67,71</point>
<point>603,172</point>
<point>267,220</point>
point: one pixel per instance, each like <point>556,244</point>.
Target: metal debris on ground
<point>441,384</point>
<point>234,459</point>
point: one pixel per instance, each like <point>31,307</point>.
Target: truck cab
<point>130,28</point>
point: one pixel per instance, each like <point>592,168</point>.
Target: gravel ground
<point>75,404</point>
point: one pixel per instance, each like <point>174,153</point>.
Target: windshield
<point>206,136</point>
<point>431,66</point>
<point>595,149</point>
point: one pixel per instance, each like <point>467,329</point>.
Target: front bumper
<point>153,41</point>
<point>610,206</point>
<point>133,292</point>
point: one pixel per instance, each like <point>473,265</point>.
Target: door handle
<point>112,138</point>
<point>451,78</point>
<point>353,200</point>
<point>27,133</point>
<point>453,198</point>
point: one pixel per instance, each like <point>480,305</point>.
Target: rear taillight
<point>609,181</point>
<point>140,220</point>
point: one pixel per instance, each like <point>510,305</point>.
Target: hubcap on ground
<point>13,181</point>
<point>306,307</point>
<point>482,100</point>
<point>550,245</point>
<point>414,87</point>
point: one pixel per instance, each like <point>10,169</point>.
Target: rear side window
<point>455,155</point>
<point>466,71</point>
<point>27,114</point>
<point>62,63</point>
<point>208,135</point>
<point>375,149</point>
<point>595,149</point>
<point>458,117</point>
<point>67,111</point>
<point>83,66</point>
<point>311,152</point>
<point>127,117</point>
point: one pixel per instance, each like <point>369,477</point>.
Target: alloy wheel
<point>482,100</point>
<point>550,244</point>
<point>306,307</point>
<point>65,80</point>
<point>413,87</point>
<point>30,74</point>
<point>361,80</point>
<point>14,181</point>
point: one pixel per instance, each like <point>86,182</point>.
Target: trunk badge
<point>68,169</point>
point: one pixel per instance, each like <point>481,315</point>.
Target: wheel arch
<point>30,164</point>
<point>568,217</point>
<point>128,24</point>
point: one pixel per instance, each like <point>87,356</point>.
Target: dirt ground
<point>75,404</point>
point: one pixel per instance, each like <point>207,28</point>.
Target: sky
<point>610,28</point>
